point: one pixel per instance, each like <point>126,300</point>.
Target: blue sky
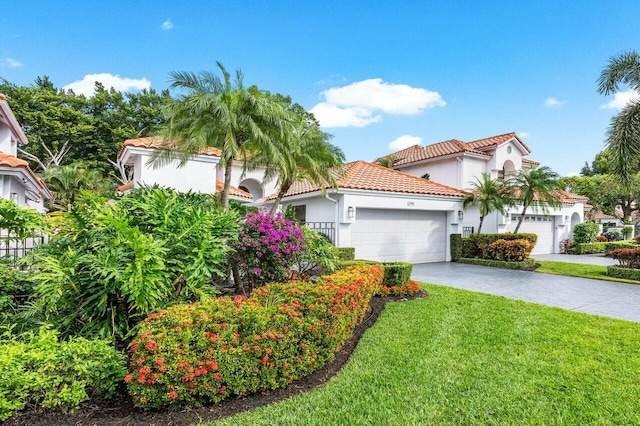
<point>374,72</point>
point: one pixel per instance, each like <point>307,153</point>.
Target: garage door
<point>399,235</point>
<point>539,225</point>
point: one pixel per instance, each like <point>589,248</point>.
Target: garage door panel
<point>398,235</point>
<point>543,227</point>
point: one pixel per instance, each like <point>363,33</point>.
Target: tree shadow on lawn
<point>120,409</point>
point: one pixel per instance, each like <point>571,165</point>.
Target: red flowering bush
<point>266,248</point>
<point>601,239</point>
<point>627,258</point>
<point>193,354</point>
<point>408,289</point>
<point>508,250</point>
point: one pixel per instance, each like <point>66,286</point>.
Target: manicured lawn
<point>459,357</point>
<point>579,270</point>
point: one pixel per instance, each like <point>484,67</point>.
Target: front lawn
<point>579,270</point>
<point>459,357</point>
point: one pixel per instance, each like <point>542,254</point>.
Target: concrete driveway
<point>589,259</point>
<point>610,299</point>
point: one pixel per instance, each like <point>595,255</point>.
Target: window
<point>300,213</point>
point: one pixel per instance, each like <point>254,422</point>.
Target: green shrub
<point>480,242</point>
<point>623,273</point>
<point>396,273</point>
<point>509,251</point>
<point>15,289</point>
<point>585,233</point>
<point>44,372</point>
<point>469,249</point>
<point>610,246</point>
<point>456,246</point>
<point>346,253</point>
<point>627,232</point>
<point>526,265</point>
<point>319,255</point>
<point>209,351</point>
<point>342,264</point>
<point>588,248</point>
<point>110,265</point>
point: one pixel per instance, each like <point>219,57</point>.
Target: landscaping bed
<point>121,411</point>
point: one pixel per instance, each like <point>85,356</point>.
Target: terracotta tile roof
<point>156,142</point>
<point>372,177</point>
<point>7,160</point>
<point>571,198</point>
<point>494,141</point>
<point>124,188</point>
<point>236,192</point>
<point>527,161</point>
<point>599,215</point>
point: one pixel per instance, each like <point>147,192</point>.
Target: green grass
<point>579,270</point>
<point>459,357</point>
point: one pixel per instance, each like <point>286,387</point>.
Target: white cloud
<point>11,63</point>
<point>524,135</point>
<point>87,84</point>
<point>167,25</point>
<point>553,103</point>
<point>621,99</point>
<point>357,104</point>
<point>404,141</point>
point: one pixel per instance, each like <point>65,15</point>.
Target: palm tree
<point>489,194</point>
<point>309,156</point>
<point>623,135</point>
<point>218,113</point>
<point>387,161</point>
<point>66,182</point>
<point>539,184</point>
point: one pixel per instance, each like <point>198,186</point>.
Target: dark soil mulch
<point>120,409</point>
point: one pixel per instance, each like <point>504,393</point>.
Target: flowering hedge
<point>508,250</point>
<point>627,257</point>
<point>193,354</point>
<point>408,289</point>
<point>266,248</point>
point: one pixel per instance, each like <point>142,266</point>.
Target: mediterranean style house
<point>406,213</point>
<point>18,180</point>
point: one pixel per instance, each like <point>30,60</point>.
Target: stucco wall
<point>446,171</point>
<point>7,145</point>
<point>197,175</point>
<point>472,168</point>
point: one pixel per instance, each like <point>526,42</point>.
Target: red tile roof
<point>533,163</point>
<point>417,153</point>
<point>7,160</point>
<point>372,177</point>
<point>571,198</point>
<point>156,142</point>
<point>236,192</point>
<point>599,215</point>
<point>124,188</point>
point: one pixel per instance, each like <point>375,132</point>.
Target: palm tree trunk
<point>480,225</point>
<point>224,199</point>
<point>283,190</point>
<point>520,219</point>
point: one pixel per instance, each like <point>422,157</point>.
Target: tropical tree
<point>623,135</point>
<point>309,155</point>
<point>223,114</point>
<point>489,194</point>
<point>66,183</point>
<point>538,184</point>
<point>387,161</point>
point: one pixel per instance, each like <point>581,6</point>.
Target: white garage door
<point>539,225</point>
<point>399,235</point>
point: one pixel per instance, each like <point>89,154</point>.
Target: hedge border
<point>624,273</point>
<point>397,274</point>
<point>528,264</point>
<point>346,253</point>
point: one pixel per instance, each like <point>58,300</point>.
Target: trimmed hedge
<point>588,248</point>
<point>396,273</point>
<point>585,233</point>
<point>527,264</point>
<point>468,248</point>
<point>56,375</point>
<point>509,251</point>
<point>206,352</point>
<point>614,245</point>
<point>456,246</point>
<point>343,264</point>
<point>624,273</point>
<point>479,241</point>
<point>407,289</point>
<point>346,253</point>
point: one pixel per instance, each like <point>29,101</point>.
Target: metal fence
<point>325,228</point>
<point>12,250</point>
<point>467,231</point>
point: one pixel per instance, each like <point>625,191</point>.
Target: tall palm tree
<point>387,161</point>
<point>538,184</point>
<point>67,181</point>
<point>623,135</point>
<point>489,194</point>
<point>309,156</point>
<point>223,114</point>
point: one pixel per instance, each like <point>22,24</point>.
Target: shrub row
<point>611,246</point>
<point>627,257</point>
<point>456,246</point>
<point>397,274</point>
<point>193,354</point>
<point>56,375</point>
<point>588,248</point>
<point>624,273</point>
<point>526,264</point>
<point>477,242</point>
<point>408,289</point>
<point>509,251</point>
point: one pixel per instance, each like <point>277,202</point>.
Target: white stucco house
<point>18,182</point>
<point>458,164</point>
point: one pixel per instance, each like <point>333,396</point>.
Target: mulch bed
<point>120,409</point>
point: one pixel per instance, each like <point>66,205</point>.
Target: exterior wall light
<point>351,212</point>
<point>460,215</point>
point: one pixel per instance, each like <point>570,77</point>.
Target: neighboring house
<point>385,214</point>
<point>458,164</point>
<point>18,180</point>
<point>202,173</point>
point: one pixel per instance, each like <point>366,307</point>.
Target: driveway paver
<point>610,299</point>
<point>588,259</point>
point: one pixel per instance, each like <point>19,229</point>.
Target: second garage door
<point>536,224</point>
<point>400,235</point>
